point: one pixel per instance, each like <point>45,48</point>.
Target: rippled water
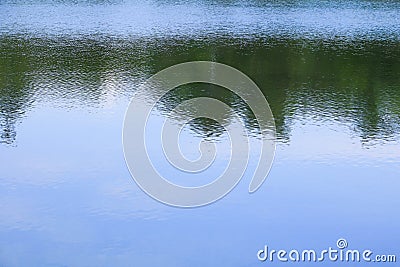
<point>329,70</point>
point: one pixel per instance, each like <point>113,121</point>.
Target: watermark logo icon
<point>144,171</point>
<point>341,243</point>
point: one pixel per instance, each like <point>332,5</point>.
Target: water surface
<point>329,70</point>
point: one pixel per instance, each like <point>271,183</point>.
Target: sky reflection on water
<point>330,72</point>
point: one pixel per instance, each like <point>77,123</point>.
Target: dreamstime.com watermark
<point>340,253</point>
<point>150,93</point>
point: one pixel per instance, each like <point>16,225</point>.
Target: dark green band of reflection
<point>356,82</point>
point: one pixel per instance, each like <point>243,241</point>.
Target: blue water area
<point>68,69</point>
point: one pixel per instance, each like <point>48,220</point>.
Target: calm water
<point>329,70</point>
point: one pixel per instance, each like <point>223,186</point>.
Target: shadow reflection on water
<point>355,84</point>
